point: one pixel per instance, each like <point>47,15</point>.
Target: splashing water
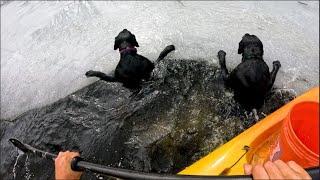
<point>169,124</point>
<point>20,153</point>
<point>26,165</point>
<point>181,117</point>
<point>45,60</point>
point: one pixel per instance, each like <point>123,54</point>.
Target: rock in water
<point>181,115</point>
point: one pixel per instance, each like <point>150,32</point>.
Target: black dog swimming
<point>251,79</point>
<point>132,68</point>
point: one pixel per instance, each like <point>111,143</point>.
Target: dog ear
<point>260,46</point>
<point>134,41</point>
<point>240,49</point>
<point>241,43</point>
<point>116,43</point>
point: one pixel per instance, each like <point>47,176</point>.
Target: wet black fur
<point>251,79</point>
<point>132,67</point>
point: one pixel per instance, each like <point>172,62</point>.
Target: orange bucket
<point>299,136</point>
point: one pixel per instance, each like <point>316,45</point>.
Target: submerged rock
<point>181,115</point>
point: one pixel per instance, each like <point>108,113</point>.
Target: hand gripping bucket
<point>299,136</point>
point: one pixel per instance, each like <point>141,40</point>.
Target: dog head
<point>124,39</point>
<point>250,45</point>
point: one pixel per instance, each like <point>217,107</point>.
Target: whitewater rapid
<point>46,47</point>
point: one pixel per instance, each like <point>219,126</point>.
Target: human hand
<point>276,170</point>
<point>63,166</point>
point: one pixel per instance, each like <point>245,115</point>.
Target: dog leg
<point>273,74</point>
<point>222,62</point>
<point>101,75</point>
<point>165,52</point>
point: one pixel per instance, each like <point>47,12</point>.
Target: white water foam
<point>47,46</point>
<point>20,153</point>
<point>28,175</point>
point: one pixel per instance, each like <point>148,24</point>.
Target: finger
<point>66,153</point>
<point>285,170</point>
<point>59,156</point>
<point>60,160</point>
<point>272,170</point>
<point>247,169</point>
<point>62,154</point>
<point>258,172</point>
<point>75,153</point>
<point>299,170</point>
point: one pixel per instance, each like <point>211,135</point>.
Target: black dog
<point>132,68</point>
<point>251,79</point>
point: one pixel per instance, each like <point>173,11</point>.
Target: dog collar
<point>128,50</point>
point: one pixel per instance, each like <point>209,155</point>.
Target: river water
<point>182,115</point>
<point>46,47</point>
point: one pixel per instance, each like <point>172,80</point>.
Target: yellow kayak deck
<point>229,158</point>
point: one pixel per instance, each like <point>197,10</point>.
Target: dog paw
<point>90,73</point>
<point>276,64</point>
<point>221,53</point>
<point>170,48</point>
